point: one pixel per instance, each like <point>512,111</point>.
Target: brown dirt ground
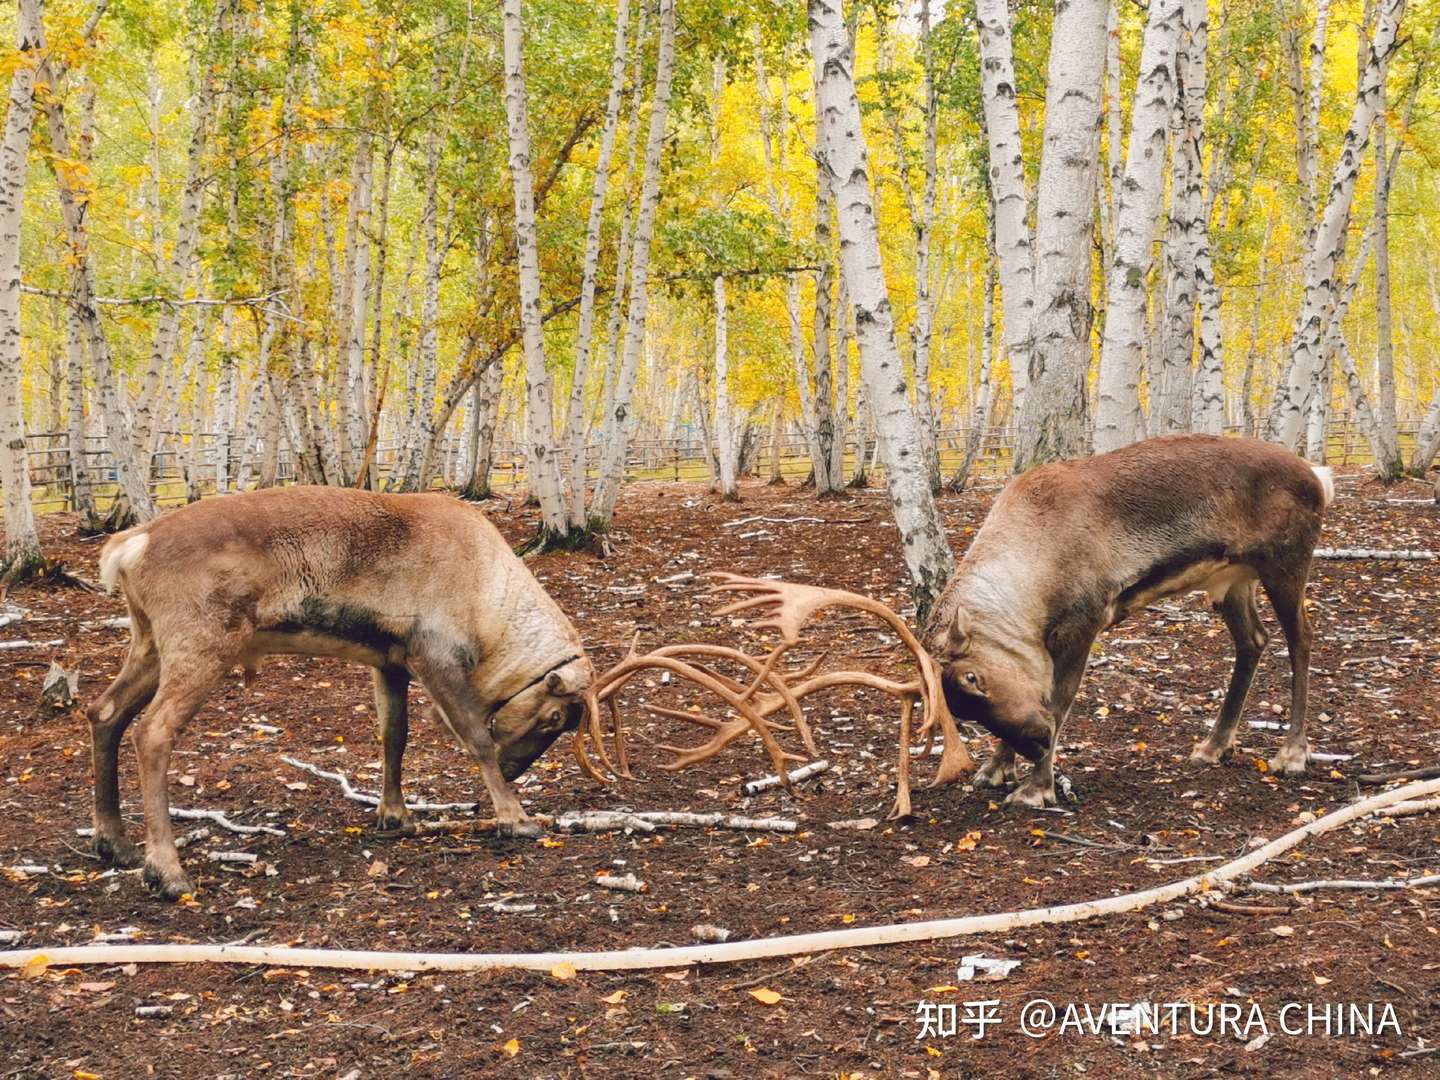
<point>331,881</point>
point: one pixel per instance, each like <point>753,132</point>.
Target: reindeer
<point>414,586</point>
<point>1074,547</point>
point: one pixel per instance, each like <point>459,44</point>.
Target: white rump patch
<point>118,558</point>
<point>1327,483</point>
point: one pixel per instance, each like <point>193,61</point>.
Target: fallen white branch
<point>29,869</point>
<point>774,520</point>
<point>1316,886</point>
<point>601,821</point>
<point>735,951</point>
<point>1377,554</point>
<point>804,772</point>
<point>628,883</point>
<point>233,857</point>
<point>354,794</point>
<point>57,643</point>
<point>717,820</point>
<point>224,822</point>
<point>10,937</point>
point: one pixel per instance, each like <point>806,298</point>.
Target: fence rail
<point>179,467</point>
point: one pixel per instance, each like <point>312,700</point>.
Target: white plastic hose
<point>728,952</point>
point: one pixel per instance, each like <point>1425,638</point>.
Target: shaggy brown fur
<point>415,586</point>
<point>1072,548</point>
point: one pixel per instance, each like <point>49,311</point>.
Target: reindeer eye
<point>555,717</point>
<point>971,679</point>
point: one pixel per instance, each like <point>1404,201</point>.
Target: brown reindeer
<point>1072,548</point>
<point>415,586</point>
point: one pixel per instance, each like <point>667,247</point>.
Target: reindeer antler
<point>785,607</point>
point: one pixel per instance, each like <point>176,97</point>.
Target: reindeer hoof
<point>166,886</point>
<point>117,851</point>
<point>1207,754</point>
<point>995,775</point>
<point>1290,762</point>
<point>396,824</point>
<point>519,830</point>
<point>1032,795</point>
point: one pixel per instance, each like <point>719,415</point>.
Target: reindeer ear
<point>555,682</point>
<point>958,637</point>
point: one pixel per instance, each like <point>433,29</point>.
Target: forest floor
<point>331,881</point>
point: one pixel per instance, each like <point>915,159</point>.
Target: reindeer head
<point>987,682</point>
<point>526,723</point>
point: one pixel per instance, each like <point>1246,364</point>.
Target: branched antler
<point>785,607</point>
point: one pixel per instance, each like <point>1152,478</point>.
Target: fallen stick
<point>1408,774</point>
<point>601,821</point>
<point>233,857</point>
<point>224,822</point>
<point>1364,886</point>
<point>733,951</point>
<point>31,644</point>
<point>774,520</point>
<point>628,883</point>
<point>804,772</point>
<point>717,820</point>
<point>354,794</point>
<point>1249,909</point>
<point>1376,554</point>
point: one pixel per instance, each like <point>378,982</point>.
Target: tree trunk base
<point>859,480</point>
<point>475,493</point>
<point>590,538</point>
<point>776,481</point>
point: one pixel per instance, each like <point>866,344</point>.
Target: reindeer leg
<point>999,771</point>
<point>392,685</point>
<point>464,714</point>
<point>1242,616</point>
<point>1039,787</point>
<point>186,680</point>
<point>1287,593</point>
<point>110,715</point>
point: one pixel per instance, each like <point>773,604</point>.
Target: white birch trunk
<point>1014,244</point>
<point>841,148</point>
<point>619,418</point>
<point>1172,399</point>
<point>1388,462</point>
<point>1052,422</point>
<point>724,422</point>
<point>1288,411</point>
<point>539,412</point>
<point>575,416</point>
<point>22,543</point>
<point>1140,198</point>
<point>133,503</point>
<point>923,330</point>
<point>352,399</point>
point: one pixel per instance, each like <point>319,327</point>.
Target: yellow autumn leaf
<point>512,1047</point>
<point>614,999</point>
<point>35,966</point>
<point>765,995</point>
<point>564,971</point>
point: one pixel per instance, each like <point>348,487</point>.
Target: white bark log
<point>1287,414</point>
<point>1140,197</point>
<point>1052,421</point>
<point>841,148</point>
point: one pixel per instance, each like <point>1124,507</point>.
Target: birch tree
<point>841,148</point>
<point>1052,420</point>
<point>1014,243</point>
<point>618,419</point>
<point>1140,196</point>
<point>541,457</point>
<point>1171,399</point>
<point>575,415</point>
<point>22,555</point>
<point>1289,408</point>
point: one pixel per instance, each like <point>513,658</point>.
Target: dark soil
<point>331,881</point>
